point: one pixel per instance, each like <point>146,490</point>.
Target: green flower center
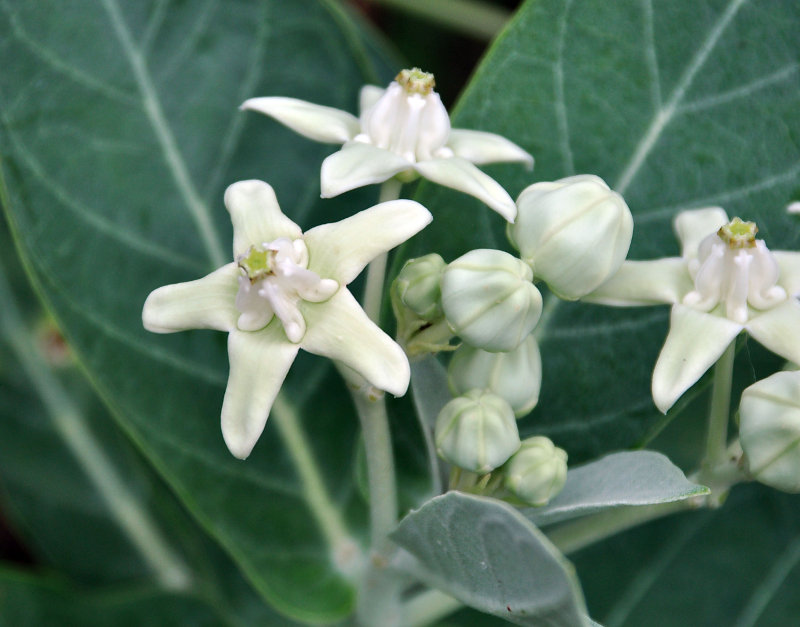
<point>415,81</point>
<point>738,234</point>
<point>256,262</point>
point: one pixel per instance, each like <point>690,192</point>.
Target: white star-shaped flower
<point>726,281</point>
<point>284,291</point>
<point>402,131</point>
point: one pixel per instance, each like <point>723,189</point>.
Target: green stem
<point>719,415</point>
<point>376,270</point>
<point>471,17</point>
<point>428,607</point>
<point>575,535</point>
<point>129,513</point>
<point>345,552</point>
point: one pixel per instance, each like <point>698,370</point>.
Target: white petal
<point>789,264</point>
<point>259,363</point>
<point>207,303</point>
<point>481,147</point>
<point>358,164</point>
<point>695,342</point>
<point>460,174</point>
<point>779,329</point>
<point>339,329</point>
<point>370,94</point>
<point>342,249</point>
<point>257,218</point>
<point>694,225</point>
<point>322,124</point>
<point>644,283</point>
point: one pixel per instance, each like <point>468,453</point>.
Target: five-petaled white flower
<point>403,131</point>
<point>725,281</point>
<point>286,291</point>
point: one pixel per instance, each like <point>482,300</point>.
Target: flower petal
<point>779,330</point>
<point>322,124</point>
<point>206,303</point>
<point>339,329</point>
<point>257,218</point>
<point>370,94</point>
<point>460,174</point>
<point>481,147</point>
<point>696,340</point>
<point>789,264</point>
<point>644,283</point>
<point>358,164</point>
<point>342,249</point>
<point>259,363</point>
<point>694,225</point>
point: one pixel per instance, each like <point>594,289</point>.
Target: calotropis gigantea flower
<point>725,281</point>
<point>402,131</point>
<point>285,290</point>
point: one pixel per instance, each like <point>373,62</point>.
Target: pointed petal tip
<point>239,447</point>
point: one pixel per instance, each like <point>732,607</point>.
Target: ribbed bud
<point>419,286</point>
<point>489,299</point>
<point>769,430</point>
<point>476,432</point>
<point>537,472</point>
<point>575,233</point>
<point>515,376</point>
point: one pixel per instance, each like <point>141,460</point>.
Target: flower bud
<point>489,300</point>
<point>537,472</point>
<point>769,430</point>
<point>476,432</point>
<point>515,376</point>
<point>419,286</point>
<point>574,232</point>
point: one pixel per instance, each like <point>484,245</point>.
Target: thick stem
<point>430,606</point>
<point>718,416</point>
<point>376,270</point>
<point>575,535</point>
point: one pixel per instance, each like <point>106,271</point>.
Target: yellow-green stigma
<point>256,263</point>
<point>415,81</point>
<point>739,234</point>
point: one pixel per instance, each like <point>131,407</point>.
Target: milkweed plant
<point>435,299</point>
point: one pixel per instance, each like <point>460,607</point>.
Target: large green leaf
<point>627,479</point>
<point>488,556</point>
<point>738,566</point>
<point>676,105</point>
<point>119,131</point>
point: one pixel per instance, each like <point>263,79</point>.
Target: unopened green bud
<point>575,233</point>
<point>419,286</point>
<point>515,376</point>
<point>769,430</point>
<point>489,299</point>
<point>537,472</point>
<point>476,432</point>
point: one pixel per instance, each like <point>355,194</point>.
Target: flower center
<point>275,279</point>
<point>415,81</point>
<point>409,119</point>
<point>734,269</point>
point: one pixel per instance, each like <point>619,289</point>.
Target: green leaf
<point>119,132</point>
<point>490,557</point>
<point>617,480</point>
<point>676,105</point>
<point>738,566</point>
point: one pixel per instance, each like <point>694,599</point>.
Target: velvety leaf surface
<point>119,131</point>
<point>620,479</point>
<point>676,105</point>
<point>483,552</point>
<point>744,561</point>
